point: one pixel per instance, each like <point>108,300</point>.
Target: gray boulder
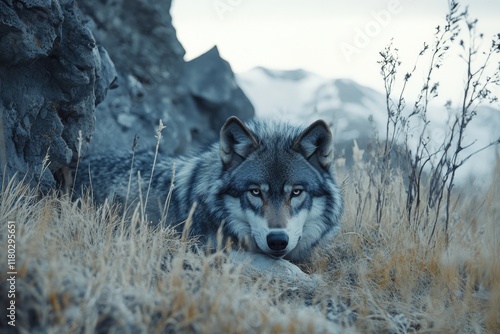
<point>52,75</point>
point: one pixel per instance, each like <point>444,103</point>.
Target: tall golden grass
<point>400,279</point>
<point>81,270</point>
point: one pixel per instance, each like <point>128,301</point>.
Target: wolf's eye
<point>297,192</point>
<point>255,192</point>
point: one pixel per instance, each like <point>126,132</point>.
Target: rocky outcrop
<point>59,58</point>
<point>211,83</point>
<point>192,99</point>
<point>52,75</point>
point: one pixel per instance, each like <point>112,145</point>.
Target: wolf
<point>266,187</point>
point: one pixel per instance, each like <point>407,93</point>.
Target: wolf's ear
<point>236,142</point>
<point>316,144</point>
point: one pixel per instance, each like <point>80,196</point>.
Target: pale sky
<point>335,39</point>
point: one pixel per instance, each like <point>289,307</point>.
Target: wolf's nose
<point>277,241</point>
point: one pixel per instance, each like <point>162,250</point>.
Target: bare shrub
<point>431,171</point>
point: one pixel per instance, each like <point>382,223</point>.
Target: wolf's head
<point>279,191</point>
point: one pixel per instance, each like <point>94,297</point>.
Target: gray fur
<point>268,187</point>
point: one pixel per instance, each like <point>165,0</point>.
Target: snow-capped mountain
<point>273,91</point>
<point>302,96</point>
<point>353,111</point>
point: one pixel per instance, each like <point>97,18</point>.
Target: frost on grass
<point>80,268</point>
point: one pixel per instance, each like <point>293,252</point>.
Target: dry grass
<point>398,281</point>
<point>79,270</point>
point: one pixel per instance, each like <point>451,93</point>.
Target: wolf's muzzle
<point>277,241</point>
